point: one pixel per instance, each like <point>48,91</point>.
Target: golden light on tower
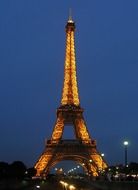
<point>83,149</point>
<point>70,88</point>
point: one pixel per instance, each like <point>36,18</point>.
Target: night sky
<point>32,51</point>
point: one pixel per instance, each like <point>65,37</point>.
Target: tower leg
<point>42,164</point>
<point>58,129</point>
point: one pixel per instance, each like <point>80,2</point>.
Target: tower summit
<point>70,88</point>
<point>83,149</point>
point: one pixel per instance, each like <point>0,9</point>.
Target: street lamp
<point>125,145</point>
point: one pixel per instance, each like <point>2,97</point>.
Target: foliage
<point>15,170</point>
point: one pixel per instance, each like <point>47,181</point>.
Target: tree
<point>17,169</point>
<point>30,172</point>
<point>4,170</point>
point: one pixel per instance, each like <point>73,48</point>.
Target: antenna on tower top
<point>70,15</point>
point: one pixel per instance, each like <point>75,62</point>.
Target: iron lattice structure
<point>83,148</point>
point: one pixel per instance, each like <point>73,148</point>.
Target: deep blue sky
<point>32,51</point>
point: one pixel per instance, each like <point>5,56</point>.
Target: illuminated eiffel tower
<point>83,149</point>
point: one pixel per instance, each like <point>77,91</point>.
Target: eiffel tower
<point>83,149</point>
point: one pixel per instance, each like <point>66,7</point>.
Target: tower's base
<point>83,153</point>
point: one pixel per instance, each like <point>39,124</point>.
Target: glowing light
<point>125,143</point>
<point>71,187</point>
<point>65,184</point>
<point>70,88</point>
<point>38,186</point>
<point>62,182</point>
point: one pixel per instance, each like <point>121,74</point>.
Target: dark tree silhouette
<point>30,172</point>
<point>133,167</point>
<point>4,170</point>
<point>17,169</point>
